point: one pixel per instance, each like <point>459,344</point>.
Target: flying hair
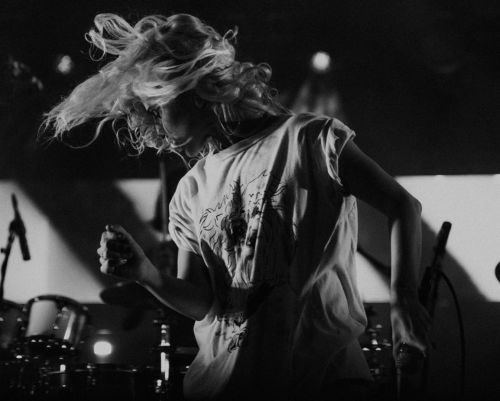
<point>153,62</point>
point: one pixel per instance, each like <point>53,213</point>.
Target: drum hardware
<point>373,350</point>
<point>11,320</point>
<point>54,327</point>
<point>163,378</point>
<point>89,382</point>
<point>378,353</point>
<point>43,341</point>
<point>161,372</point>
<point>44,333</point>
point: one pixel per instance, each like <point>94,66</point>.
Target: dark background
<point>418,79</point>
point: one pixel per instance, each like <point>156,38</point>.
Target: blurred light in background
<point>64,64</point>
<point>102,345</point>
<point>103,348</point>
<point>321,62</point>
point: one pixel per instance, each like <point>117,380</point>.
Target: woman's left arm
<point>366,180</point>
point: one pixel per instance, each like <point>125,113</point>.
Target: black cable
<point>461,330</point>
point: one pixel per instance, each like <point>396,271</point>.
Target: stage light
<point>64,64</point>
<point>103,348</point>
<point>321,62</point>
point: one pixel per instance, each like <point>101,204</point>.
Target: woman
<point>265,221</point>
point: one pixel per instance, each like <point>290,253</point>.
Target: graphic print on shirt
<point>246,215</point>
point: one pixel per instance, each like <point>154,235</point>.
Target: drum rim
<point>58,298</point>
<point>96,367</point>
<point>7,302</point>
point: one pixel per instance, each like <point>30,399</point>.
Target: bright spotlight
<point>321,62</point>
<point>103,348</point>
<point>64,64</point>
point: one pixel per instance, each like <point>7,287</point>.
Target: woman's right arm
<point>189,294</point>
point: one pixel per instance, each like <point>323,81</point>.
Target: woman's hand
<point>121,256</point>
<point>410,322</point>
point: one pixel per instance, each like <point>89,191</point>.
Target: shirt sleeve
<point>334,137</point>
<point>181,225</point>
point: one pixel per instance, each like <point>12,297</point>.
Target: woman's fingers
<point>411,324</point>
<point>106,253</point>
<point>119,254</point>
<point>113,232</point>
<point>114,250</point>
<point>111,266</point>
<point>118,245</point>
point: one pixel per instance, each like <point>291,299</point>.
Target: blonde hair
<point>155,61</point>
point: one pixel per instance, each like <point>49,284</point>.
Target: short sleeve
<point>181,226</point>
<point>334,137</point>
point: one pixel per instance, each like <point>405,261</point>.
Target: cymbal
<point>129,294</point>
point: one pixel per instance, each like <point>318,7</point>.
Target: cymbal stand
<point>164,351</point>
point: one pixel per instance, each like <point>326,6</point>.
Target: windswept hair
<point>156,60</point>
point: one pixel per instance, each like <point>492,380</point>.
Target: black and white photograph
<point>249,201</point>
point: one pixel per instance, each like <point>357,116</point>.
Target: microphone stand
<point>428,291</point>
<point>16,227</point>
<point>410,362</point>
<point>6,251</point>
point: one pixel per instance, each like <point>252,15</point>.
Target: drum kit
<point>41,342</point>
<point>40,349</point>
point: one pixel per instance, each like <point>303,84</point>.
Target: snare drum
<point>92,382</point>
<point>11,318</point>
<point>54,325</point>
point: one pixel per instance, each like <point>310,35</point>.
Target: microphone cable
<point>461,330</point>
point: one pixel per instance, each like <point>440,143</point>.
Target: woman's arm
<point>366,180</point>
<point>189,294</point>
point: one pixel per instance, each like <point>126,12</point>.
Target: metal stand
<point>6,252</point>
<point>411,365</point>
<point>16,227</point>
<point>164,348</point>
<point>163,352</point>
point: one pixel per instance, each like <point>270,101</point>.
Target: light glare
<point>321,61</point>
<point>103,348</point>
<point>65,64</point>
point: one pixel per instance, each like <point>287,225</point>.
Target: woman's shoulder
<point>305,118</point>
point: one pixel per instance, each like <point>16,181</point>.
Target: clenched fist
<point>121,256</point>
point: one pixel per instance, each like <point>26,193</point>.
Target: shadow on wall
<point>374,243</point>
<point>80,210</point>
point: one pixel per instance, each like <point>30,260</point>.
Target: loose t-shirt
<point>277,231</point>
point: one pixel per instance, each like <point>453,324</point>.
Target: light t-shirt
<point>278,234</point>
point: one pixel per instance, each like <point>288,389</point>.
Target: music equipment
<point>54,326</point>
